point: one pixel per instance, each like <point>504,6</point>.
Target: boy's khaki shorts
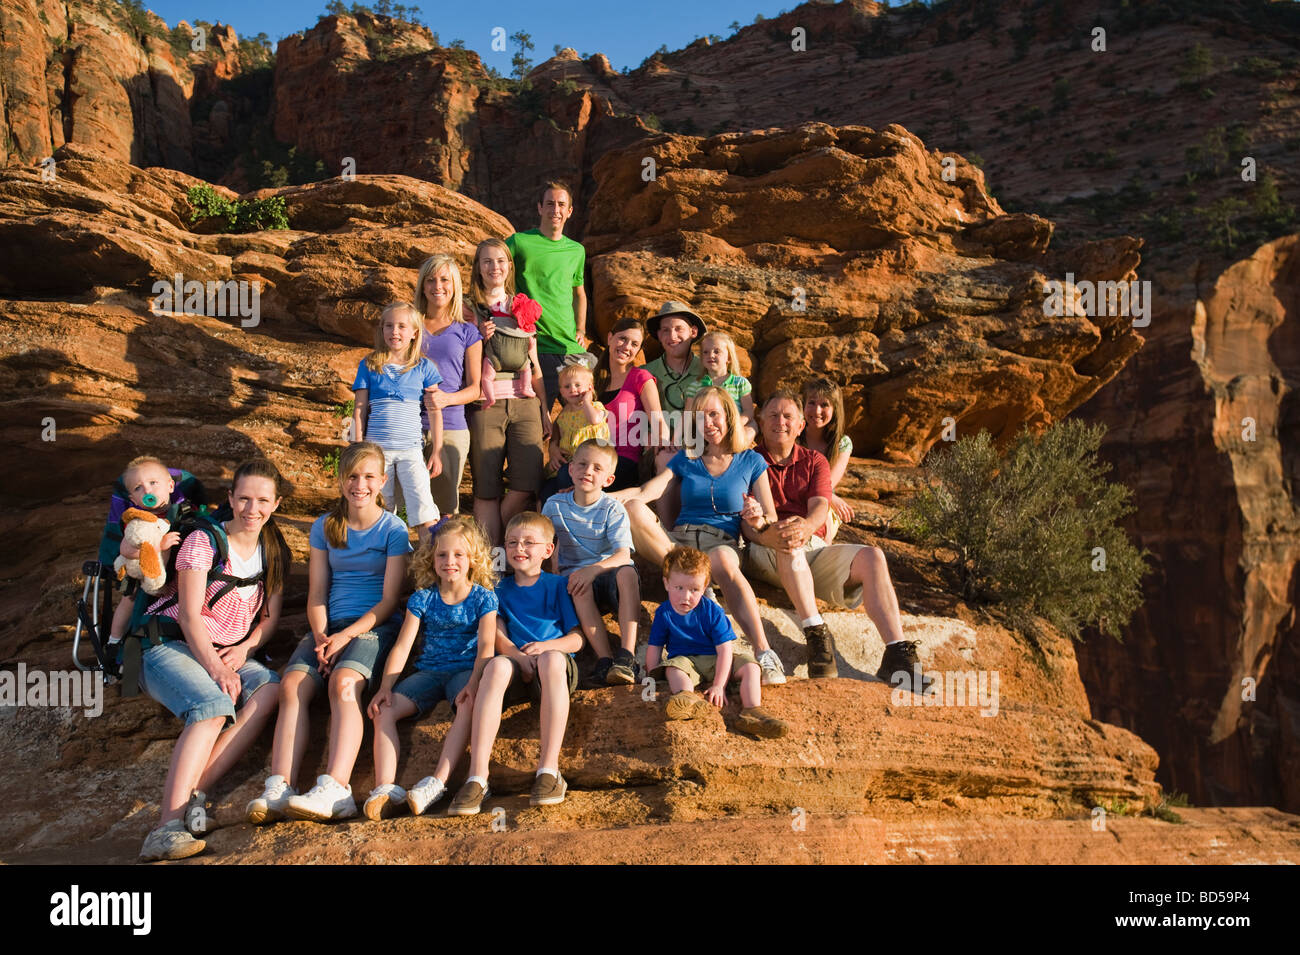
<point>703,667</point>
<point>520,692</point>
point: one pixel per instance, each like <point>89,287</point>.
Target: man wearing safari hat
<point>677,328</point>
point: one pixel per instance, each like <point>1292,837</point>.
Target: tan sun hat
<point>679,309</point>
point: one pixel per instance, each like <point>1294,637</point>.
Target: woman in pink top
<point>203,670</point>
<point>631,400</point>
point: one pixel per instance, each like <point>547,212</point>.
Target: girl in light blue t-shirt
<point>389,392</point>
<point>355,574</point>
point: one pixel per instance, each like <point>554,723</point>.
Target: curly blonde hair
<point>476,542</point>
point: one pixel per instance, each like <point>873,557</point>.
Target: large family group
<point>674,461</point>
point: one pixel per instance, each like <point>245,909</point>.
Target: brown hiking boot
<point>759,722</point>
<point>687,705</point>
<point>821,652</point>
<point>900,665</point>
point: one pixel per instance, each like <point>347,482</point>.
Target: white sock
<point>482,781</point>
<point>549,769</point>
<point>812,621</point>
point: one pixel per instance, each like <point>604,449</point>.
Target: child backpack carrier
<point>95,608</point>
<point>152,627</point>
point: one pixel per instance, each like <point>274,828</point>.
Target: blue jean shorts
<point>425,688</point>
<point>171,675</point>
<point>365,653</point>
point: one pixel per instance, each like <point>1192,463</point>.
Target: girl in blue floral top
<point>454,606</point>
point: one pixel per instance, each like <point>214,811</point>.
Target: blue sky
<point>627,31</point>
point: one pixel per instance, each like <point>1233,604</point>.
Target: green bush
<point>1025,527</point>
<point>240,216</point>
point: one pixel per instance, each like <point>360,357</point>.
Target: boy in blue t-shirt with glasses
<point>537,635</point>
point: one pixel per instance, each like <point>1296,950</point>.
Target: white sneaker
<point>170,841</point>
<point>328,799</point>
<point>424,794</point>
<point>384,801</point>
<point>770,664</point>
<point>269,806</point>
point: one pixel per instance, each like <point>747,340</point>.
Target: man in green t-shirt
<point>549,267</point>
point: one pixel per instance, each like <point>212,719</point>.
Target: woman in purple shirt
<point>454,344</point>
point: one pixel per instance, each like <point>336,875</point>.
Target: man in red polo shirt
<point>792,553</point>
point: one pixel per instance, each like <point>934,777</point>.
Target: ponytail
<point>275,550</point>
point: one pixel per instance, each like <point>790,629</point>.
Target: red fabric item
<point>806,475</point>
<point>526,312</point>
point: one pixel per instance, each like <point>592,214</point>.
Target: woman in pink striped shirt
<point>204,670</point>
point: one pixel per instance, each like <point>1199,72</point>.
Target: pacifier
<point>149,500</point>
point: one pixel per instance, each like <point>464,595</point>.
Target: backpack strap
<point>156,628</point>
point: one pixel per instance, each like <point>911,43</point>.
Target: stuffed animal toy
<point>145,531</point>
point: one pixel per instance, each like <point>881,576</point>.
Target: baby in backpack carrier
<point>150,486</point>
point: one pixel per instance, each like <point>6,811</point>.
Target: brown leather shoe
<point>760,723</point>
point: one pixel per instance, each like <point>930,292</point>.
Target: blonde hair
<point>336,524</point>
<point>599,446</point>
<point>733,362</point>
<point>734,442</point>
<point>431,266</point>
<point>381,356</point>
<point>568,371</point>
<point>534,520</point>
<point>140,461</point>
<point>476,542</point>
<point>477,288</point>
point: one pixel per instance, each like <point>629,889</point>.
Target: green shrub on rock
<point>1035,532</point>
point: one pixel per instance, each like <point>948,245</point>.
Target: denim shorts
<point>365,653</point>
<point>171,675</point>
<point>425,688</point>
<point>604,589</point>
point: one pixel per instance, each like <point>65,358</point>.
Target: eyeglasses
<point>527,545</point>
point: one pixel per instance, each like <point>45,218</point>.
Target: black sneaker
<point>600,671</point>
<point>821,652</point>
<point>622,670</point>
<point>901,658</point>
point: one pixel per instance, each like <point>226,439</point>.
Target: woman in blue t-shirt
<point>359,553</point>
<point>718,484</point>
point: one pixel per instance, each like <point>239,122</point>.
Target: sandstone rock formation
<point>849,250</point>
<point>87,356</point>
<point>857,752</point>
<point>79,73</point>
<point>393,102</point>
<point>1221,701</point>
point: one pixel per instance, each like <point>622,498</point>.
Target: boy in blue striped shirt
<point>594,550</point>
